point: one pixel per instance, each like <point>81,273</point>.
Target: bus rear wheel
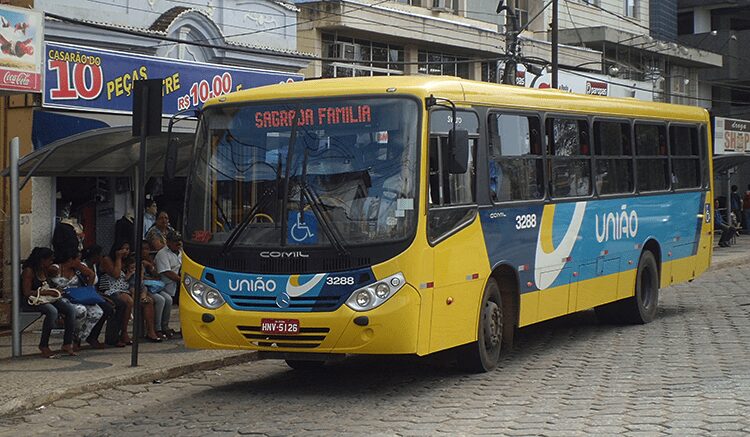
<point>640,308</point>
<point>305,364</point>
<point>483,355</point>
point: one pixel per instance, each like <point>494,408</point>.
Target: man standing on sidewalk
<point>168,263</point>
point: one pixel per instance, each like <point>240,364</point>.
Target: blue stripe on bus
<point>288,293</point>
<point>610,229</point>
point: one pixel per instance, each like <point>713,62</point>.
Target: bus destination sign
<point>321,116</point>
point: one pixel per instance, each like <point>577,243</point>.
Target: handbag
<point>41,299</point>
<point>84,295</point>
<point>154,285</point>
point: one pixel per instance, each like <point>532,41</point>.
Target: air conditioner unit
<point>442,5</point>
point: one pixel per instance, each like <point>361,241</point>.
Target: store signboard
<point>731,135</point>
<point>91,79</point>
<point>21,35</point>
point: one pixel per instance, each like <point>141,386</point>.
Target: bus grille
<point>290,266</point>
<point>308,338</point>
<point>299,303</point>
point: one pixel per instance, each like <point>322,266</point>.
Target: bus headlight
<point>204,295</point>
<point>373,295</point>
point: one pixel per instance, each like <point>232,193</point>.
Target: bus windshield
<point>326,172</point>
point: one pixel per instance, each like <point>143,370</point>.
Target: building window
<point>443,64</point>
<point>590,2</point>
<point>631,8</point>
<point>489,72</point>
<point>347,57</point>
<point>410,2</point>
<point>522,11</point>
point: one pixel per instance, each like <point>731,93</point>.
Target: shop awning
<point>109,151</point>
<point>722,163</point>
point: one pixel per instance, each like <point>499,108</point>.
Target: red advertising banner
<point>21,36</point>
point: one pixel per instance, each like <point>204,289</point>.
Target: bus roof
<point>469,92</point>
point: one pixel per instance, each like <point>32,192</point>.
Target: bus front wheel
<point>483,355</point>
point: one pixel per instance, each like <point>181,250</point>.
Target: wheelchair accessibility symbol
<point>302,228</point>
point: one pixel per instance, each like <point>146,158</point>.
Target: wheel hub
<point>492,325</point>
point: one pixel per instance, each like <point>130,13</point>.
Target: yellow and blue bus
<point>411,215</point>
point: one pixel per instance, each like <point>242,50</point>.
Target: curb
<point>732,262</point>
<point>24,404</point>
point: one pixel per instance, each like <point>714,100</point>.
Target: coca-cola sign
<point>21,53</point>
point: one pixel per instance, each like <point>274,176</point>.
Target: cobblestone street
<point>687,373</point>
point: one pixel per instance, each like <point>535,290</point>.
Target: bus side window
<point>614,157</point>
<point>516,166</point>
<point>685,156</point>
<point>570,157</point>
<point>652,159</point>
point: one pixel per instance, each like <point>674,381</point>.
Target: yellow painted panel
<point>596,291</point>
<point>457,297</point>
<point>553,302</point>
<point>626,284</point>
<point>529,310</point>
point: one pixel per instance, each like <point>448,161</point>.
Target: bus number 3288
<point>526,221</point>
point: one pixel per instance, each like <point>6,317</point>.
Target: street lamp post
<point>555,63</point>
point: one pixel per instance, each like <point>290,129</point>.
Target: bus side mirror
<point>170,157</point>
<point>458,151</point>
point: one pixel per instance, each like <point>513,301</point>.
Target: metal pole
<point>15,247</point>
<point>729,197</point>
<point>554,44</point>
<point>139,190</point>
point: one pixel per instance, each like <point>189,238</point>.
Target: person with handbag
<point>89,296</point>
<point>46,300</point>
<point>92,257</point>
<point>72,278</point>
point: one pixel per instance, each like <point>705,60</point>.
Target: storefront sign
<point>93,79</point>
<point>21,37</point>
<point>731,135</point>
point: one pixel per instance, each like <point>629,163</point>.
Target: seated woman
<point>91,258</point>
<point>113,282</point>
<point>162,300</point>
<point>146,300</point>
<point>72,273</point>
<point>36,270</point>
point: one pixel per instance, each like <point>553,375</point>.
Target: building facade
<point>605,40</point>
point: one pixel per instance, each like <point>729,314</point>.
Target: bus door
<point>459,251</point>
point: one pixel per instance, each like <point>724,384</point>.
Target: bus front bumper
<point>391,328</point>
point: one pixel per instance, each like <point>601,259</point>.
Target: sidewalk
<point>31,381</point>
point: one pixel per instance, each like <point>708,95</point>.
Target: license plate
<point>279,326</point>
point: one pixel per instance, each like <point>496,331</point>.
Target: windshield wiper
<point>329,228</point>
<point>234,236</point>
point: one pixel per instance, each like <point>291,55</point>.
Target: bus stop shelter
<point>104,152</point>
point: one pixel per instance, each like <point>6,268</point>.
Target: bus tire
<point>641,308</point>
<point>483,355</point>
<point>305,364</point>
